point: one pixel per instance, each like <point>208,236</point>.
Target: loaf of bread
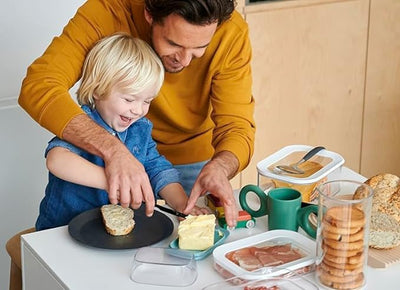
<point>196,232</point>
<point>118,220</point>
<point>384,232</point>
<point>385,215</point>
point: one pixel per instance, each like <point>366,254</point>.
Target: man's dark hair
<point>198,12</point>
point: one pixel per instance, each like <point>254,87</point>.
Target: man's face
<point>177,42</point>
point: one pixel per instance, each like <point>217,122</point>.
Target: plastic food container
<point>291,281</point>
<point>316,170</point>
<point>163,267</point>
<point>220,235</point>
<point>270,254</point>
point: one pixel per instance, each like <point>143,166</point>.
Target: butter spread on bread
<point>117,220</point>
<point>196,232</point>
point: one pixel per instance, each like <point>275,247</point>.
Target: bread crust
<point>385,215</point>
<point>118,221</point>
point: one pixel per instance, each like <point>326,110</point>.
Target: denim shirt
<point>64,200</point>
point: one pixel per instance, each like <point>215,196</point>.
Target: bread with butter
<point>118,220</point>
<point>196,232</point>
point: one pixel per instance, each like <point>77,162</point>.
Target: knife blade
<point>171,211</point>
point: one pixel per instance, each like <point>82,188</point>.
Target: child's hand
<point>200,210</point>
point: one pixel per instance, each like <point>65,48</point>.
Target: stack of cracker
<point>342,233</point>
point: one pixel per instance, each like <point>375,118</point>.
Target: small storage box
<point>163,267</point>
<point>319,166</point>
<point>270,254</point>
<point>292,282</point>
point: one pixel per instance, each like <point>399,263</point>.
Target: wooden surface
<point>308,71</point>
<point>383,258</point>
<point>381,132</point>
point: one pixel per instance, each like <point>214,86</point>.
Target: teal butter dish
<point>220,235</point>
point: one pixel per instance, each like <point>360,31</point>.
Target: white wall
<point>26,28</point>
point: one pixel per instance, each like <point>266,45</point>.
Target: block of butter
<point>196,232</point>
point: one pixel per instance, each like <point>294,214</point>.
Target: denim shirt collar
<point>95,116</point>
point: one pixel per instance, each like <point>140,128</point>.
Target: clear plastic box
<point>163,267</point>
<point>325,162</point>
<point>302,264</point>
<point>291,281</point>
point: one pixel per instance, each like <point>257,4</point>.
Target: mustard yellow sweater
<point>206,108</point>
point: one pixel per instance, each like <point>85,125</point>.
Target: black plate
<point>88,228</point>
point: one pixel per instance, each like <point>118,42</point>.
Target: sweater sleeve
<point>45,89</point>
<point>231,97</point>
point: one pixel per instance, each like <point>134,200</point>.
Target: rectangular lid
<point>296,241</point>
<point>328,160</point>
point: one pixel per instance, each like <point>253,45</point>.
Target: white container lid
<point>293,153</point>
<point>292,282</point>
<point>297,240</point>
<point>163,267</point>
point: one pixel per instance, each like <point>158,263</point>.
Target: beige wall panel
<point>240,6</point>
<point>235,182</point>
<point>381,138</point>
<point>308,71</point>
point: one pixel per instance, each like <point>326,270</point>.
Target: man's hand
<point>128,182</point>
<point>214,178</point>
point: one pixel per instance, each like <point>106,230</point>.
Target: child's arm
<point>73,168</point>
<point>176,198</point>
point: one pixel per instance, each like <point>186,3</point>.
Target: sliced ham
<point>252,258</point>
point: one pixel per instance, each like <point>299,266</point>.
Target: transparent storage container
<point>163,267</point>
<point>316,170</point>
<point>271,247</point>
<point>291,281</point>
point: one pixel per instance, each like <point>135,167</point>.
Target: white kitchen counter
<point>52,260</point>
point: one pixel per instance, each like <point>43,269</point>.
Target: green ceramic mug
<point>283,207</point>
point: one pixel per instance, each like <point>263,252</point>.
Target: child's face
<point>120,110</point>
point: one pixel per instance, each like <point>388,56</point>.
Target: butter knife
<point>171,211</point>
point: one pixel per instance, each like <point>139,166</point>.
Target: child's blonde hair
<point>122,60</point>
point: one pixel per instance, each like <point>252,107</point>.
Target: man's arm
<point>214,178</point>
<point>128,182</point>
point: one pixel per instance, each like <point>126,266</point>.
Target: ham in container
<point>276,253</point>
<point>253,258</point>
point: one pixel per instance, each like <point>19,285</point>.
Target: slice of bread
<point>386,196</point>
<point>384,232</point>
<point>118,220</point>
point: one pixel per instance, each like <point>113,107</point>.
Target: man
<point>203,116</point>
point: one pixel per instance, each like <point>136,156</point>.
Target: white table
<point>52,260</point>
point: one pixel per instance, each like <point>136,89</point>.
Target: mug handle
<point>303,219</point>
<point>261,195</point>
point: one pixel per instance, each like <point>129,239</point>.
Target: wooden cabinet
<point>381,131</point>
<point>309,62</point>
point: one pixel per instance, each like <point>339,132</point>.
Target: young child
<point>120,78</point>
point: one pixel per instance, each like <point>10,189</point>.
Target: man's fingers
<point>193,197</point>
<point>231,214</point>
<point>113,194</point>
<point>148,198</point>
